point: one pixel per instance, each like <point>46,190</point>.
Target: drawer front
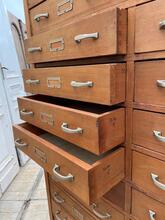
<point>103,84</point>
<point>88,179</point>
<point>53,12</point>
<point>148,174</point>
<point>32,3</point>
<point>81,39</point>
<point>146,208</point>
<point>149,130</point>
<point>87,130</point>
<point>150,79</point>
<point>150,25</point>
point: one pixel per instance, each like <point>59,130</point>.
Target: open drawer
<point>86,175</point>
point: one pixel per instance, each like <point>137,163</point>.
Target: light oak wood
<point>144,123</point>
<point>141,205</point>
<point>102,128</point>
<point>111,40</point>
<point>32,3</point>
<point>93,175</point>
<point>108,82</point>
<point>142,168</point>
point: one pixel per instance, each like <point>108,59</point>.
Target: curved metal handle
<point>159,137</point>
<point>99,215</point>
<point>34,49</point>
<point>65,128</point>
<point>81,37</point>
<point>58,176</point>
<point>57,215</point>
<point>58,199</point>
<point>32,81</point>
<point>156,182</point>
<point>39,16</point>
<point>24,112</point>
<point>18,144</point>
<point>161,83</point>
<point>152,215</point>
<point>162,24</point>
<point>76,84</point>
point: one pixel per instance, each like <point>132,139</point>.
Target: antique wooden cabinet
<point>95,116</point>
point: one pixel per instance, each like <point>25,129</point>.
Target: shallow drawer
<point>97,35</point>
<point>92,127</point>
<point>87,176</point>
<point>149,27</point>
<point>148,173</point>
<point>149,130</point>
<point>146,208</point>
<point>53,12</point>
<point>32,3</point>
<point>103,84</point>
<point>150,79</point>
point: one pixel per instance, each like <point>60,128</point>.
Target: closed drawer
<point>85,175</point>
<point>148,174</point>
<point>32,3</point>
<point>92,127</point>
<point>150,79</point>
<point>103,84</point>
<point>146,208</point>
<point>149,130</point>
<point>97,35</point>
<point>149,27</point>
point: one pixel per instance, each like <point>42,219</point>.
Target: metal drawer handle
<point>58,176</point>
<point>158,135</point>
<point>162,24</point>
<point>39,16</point>
<point>80,37</point>
<point>34,49</point>
<point>19,144</point>
<point>76,84</point>
<point>106,216</point>
<point>161,83</point>
<point>156,182</point>
<point>57,215</point>
<point>65,128</point>
<point>152,215</point>
<point>32,81</point>
<point>25,112</point>
<point>58,199</point>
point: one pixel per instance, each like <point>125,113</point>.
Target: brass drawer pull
<point>32,81</point>
<point>34,49</point>
<point>156,182</point>
<point>159,137</point>
<point>161,83</point>
<point>57,215</point>
<point>162,24</point>
<point>76,84</point>
<point>24,112</point>
<point>39,16</point>
<point>152,215</point>
<point>65,128</point>
<point>58,199</point>
<point>106,216</point>
<point>58,176</point>
<point>81,37</point>
<point>18,143</point>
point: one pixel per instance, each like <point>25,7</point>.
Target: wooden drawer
<point>149,27</point>
<point>149,130</point>
<point>85,175</point>
<point>148,174</point>
<point>146,208</point>
<point>103,84</point>
<point>53,12</point>
<point>99,34</point>
<point>92,127</point>
<point>150,79</point>
<point>32,3</point>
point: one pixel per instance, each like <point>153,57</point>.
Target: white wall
<point>16,8</point>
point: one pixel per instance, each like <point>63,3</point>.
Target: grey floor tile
<point>8,216</point>
<point>11,206</point>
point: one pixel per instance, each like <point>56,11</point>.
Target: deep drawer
<point>92,127</point>
<point>102,84</point>
<point>99,34</point>
<point>85,175</point>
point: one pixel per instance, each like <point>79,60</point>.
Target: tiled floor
<point>26,197</point>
